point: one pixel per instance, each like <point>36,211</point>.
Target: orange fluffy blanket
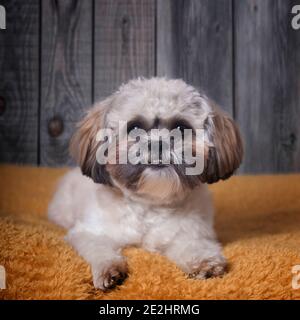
<point>257,220</point>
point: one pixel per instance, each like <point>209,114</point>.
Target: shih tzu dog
<point>151,201</point>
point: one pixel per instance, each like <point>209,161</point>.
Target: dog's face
<point>149,111</point>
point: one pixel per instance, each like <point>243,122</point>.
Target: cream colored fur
<point>162,215</point>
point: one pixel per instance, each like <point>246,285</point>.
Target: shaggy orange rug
<point>257,220</point>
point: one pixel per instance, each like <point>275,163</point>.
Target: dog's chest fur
<point>99,210</point>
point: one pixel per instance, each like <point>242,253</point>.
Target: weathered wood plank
<point>194,42</point>
<point>267,85</point>
<point>66,74</point>
<point>124,43</point>
<point>19,85</point>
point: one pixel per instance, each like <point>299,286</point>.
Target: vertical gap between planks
<point>93,51</point>
<point>39,87</point>
<point>155,37</point>
<point>233,82</point>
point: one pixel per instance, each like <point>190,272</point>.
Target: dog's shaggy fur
<point>160,210</point>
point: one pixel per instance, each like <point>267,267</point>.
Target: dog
<point>107,207</point>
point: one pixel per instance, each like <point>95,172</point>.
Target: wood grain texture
<point>19,85</point>
<point>66,74</point>
<point>194,42</point>
<point>124,43</point>
<point>244,54</point>
<point>267,85</point>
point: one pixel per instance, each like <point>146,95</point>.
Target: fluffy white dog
<point>107,207</point>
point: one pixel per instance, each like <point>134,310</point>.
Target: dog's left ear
<point>223,146</point>
<point>84,145</point>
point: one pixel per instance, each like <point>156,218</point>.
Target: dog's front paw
<point>109,276</point>
<point>210,268</point>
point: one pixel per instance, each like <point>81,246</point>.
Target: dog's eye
<point>181,126</point>
<point>134,126</point>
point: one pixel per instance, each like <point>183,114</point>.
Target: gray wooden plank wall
<point>124,43</point>
<point>19,82</point>
<point>194,42</point>
<point>66,74</point>
<point>267,83</point>
<point>58,56</point>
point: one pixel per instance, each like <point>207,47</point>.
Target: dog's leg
<point>200,258</point>
<point>109,267</point>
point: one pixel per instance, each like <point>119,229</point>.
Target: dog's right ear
<point>84,145</point>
